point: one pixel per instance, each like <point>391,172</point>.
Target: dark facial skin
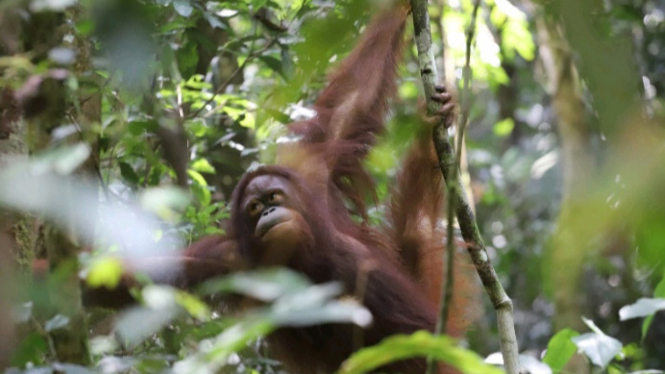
<point>272,209</point>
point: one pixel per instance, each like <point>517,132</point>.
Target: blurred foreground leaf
<point>264,285</point>
<point>138,323</point>
<point>420,344</point>
<point>296,303</point>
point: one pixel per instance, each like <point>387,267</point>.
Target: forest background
<point>163,104</point>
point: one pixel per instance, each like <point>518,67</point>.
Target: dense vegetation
<point>125,124</point>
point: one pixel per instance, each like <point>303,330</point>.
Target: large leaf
<point>295,304</point>
<point>419,344</point>
<point>266,285</point>
<point>138,323</point>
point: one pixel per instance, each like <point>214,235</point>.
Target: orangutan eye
<point>254,208</point>
<point>275,198</point>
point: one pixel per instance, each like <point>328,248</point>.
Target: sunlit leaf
<point>203,166</point>
<point>248,121</point>
<point>197,177</point>
<point>600,349</point>
<point>642,308</point>
<point>419,344</point>
<point>105,272</point>
<point>504,127</point>
<point>195,307</point>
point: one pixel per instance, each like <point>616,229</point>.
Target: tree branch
<point>449,165</point>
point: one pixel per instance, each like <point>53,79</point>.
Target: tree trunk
<point>568,250</point>
<point>44,32</point>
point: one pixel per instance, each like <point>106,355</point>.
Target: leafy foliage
<point>191,94</point>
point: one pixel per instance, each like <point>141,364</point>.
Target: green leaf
<point>139,127</point>
<point>660,288</point>
<point>187,57</point>
<point>218,349</point>
<point>128,173</point>
<point>504,128</point>
<point>419,344</point>
<point>105,272</point>
<point>659,292</point>
<point>203,166</point>
<point>279,116</point>
<point>515,34</point>
<point>200,188</point>
<point>408,90</point>
<point>274,64</point>
<point>645,326</point>
<point>193,305</point>
<point>33,349</point>
<point>197,177</point>
<point>560,349</point>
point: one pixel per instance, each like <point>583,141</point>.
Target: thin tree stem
<point>457,200</point>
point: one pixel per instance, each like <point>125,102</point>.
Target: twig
<point>448,163</point>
